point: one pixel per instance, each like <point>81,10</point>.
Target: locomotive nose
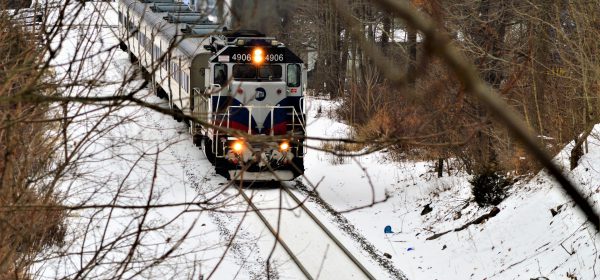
<point>258,93</point>
<point>258,96</point>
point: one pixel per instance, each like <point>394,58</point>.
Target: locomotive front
<point>257,88</point>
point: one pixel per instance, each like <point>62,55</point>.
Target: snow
<point>523,241</point>
<point>139,157</point>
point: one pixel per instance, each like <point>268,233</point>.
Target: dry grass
<point>342,148</point>
<point>26,155</point>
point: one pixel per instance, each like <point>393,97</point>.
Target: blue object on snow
<point>388,229</point>
<point>410,249</point>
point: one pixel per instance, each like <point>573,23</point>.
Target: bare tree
<point>66,107</point>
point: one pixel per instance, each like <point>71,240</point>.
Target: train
<point>240,92</point>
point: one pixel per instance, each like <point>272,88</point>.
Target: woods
<point>538,55</point>
<point>99,181</point>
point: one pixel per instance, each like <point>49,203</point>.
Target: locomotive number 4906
<point>274,57</point>
<point>246,57</point>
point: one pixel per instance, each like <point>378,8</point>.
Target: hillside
<point>524,240</point>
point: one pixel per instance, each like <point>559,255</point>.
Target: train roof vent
<point>170,7</point>
<point>232,35</point>
<point>202,29</point>
<point>158,1</point>
<point>187,17</point>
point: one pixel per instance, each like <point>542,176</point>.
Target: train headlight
<point>284,146</point>
<point>237,147</point>
<point>258,56</point>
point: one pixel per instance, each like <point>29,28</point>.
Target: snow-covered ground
<point>524,240</point>
<point>143,157</point>
<point>197,225</point>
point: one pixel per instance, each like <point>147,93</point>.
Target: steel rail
<point>292,255</point>
<point>302,206</point>
<point>276,235</point>
<point>329,233</point>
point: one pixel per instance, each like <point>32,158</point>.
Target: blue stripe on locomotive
<point>284,114</point>
<point>240,115</point>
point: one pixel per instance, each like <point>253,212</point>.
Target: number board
<point>247,57</point>
<point>244,55</point>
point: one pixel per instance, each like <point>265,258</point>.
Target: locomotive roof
<point>193,37</point>
<point>189,45</point>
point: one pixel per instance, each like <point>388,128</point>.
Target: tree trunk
<point>385,35</point>
<point>221,11</point>
<point>412,56</point>
<point>489,34</point>
<point>541,61</point>
<point>440,167</point>
<point>577,151</point>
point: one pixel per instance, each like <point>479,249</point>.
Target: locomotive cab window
<point>270,72</point>
<point>220,76</point>
<point>251,72</point>
<point>244,71</point>
<point>293,75</point>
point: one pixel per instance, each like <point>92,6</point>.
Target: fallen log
<point>479,220</point>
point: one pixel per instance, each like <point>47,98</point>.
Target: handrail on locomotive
<point>295,129</point>
<point>268,77</point>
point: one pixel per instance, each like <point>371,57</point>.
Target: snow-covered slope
<point>152,206</point>
<point>524,240</point>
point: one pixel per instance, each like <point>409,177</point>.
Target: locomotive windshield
<point>252,72</point>
<point>293,75</point>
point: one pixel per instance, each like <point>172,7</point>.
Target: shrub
<point>489,188</point>
<point>30,219</point>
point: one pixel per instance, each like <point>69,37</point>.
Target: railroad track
<point>315,250</point>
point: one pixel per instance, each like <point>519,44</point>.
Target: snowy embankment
<point>130,157</point>
<point>524,240</point>
<point>139,156</point>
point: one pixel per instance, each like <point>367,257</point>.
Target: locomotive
<point>240,92</point>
